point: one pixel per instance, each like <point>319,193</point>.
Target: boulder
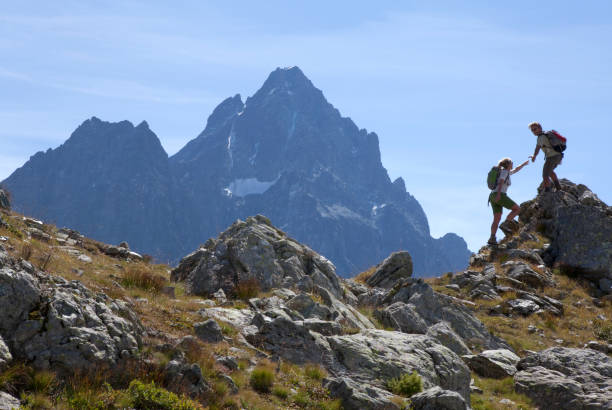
<point>437,398</point>
<point>291,341</point>
<point>345,314</point>
<point>396,267</point>
<point>208,331</point>
<point>359,396</point>
<point>566,378</point>
<point>257,253</point>
<point>496,364</point>
<point>376,356</point>
<point>53,323</point>
<point>523,273</point>
<point>186,377</point>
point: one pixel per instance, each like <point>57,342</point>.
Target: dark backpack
<point>557,141</point>
<point>492,177</point>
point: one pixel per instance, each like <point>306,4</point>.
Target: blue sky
<point>449,88</point>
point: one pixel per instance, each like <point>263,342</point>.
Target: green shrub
<point>602,331</point>
<point>302,399</point>
<point>314,372</point>
<point>35,401</point>
<point>262,379</point>
<point>281,392</point>
<point>148,396</point>
<point>407,385</point>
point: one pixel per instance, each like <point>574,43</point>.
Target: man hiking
<point>553,156</point>
<point>499,199</point>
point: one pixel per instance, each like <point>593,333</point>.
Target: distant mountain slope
<point>285,153</point>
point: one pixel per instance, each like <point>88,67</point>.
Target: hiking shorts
<point>550,164</point>
<point>504,202</point>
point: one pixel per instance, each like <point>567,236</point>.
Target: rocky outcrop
<point>564,378</point>
<point>356,396</point>
<point>397,266</point>
<point>376,356</point>
<point>579,226</point>
<point>61,325</point>
<point>255,252</point>
<point>413,307</point>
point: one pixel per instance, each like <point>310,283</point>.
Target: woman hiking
<point>499,199</point>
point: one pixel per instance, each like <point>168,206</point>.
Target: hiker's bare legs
<point>495,224</point>
<point>515,210</point>
<point>555,180</point>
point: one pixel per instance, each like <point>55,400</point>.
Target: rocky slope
<point>512,331</point>
<point>285,153</point>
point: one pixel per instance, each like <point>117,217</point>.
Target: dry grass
<point>495,390</point>
<point>143,277</point>
<point>365,275</point>
<point>247,289</point>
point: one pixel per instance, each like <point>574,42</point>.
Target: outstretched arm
<point>535,153</point>
<point>517,169</point>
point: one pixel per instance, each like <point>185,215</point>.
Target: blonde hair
<point>504,162</point>
<point>532,124</point>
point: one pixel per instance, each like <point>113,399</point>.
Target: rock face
<point>564,378</point>
<point>8,402</point>
<point>285,153</point>
<point>53,323</point>
<point>255,251</point>
<point>579,226</point>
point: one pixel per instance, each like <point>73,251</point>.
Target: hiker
<point>552,153</point>
<point>499,199</point>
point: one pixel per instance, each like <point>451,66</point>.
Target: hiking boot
<point>492,241</point>
<point>509,227</point>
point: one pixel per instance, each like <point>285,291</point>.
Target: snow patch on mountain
<point>248,186</point>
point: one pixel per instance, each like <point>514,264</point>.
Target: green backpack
<point>492,177</point>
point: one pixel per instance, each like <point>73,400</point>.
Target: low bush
<point>407,385</point>
<point>148,396</point>
<point>262,379</point>
<point>281,392</point>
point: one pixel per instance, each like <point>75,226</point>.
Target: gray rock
<point>523,273</point>
<point>239,318</point>
<point>376,356</point>
<point>599,346</point>
<point>359,396</point>
<point>8,402</point>
<point>186,376</point>
<point>346,315</point>
<point>444,334</point>
<point>564,378</point>
<point>254,250</point>
<point>324,327</point>
<point>220,296</point>
<point>496,364</point>
<point>605,285</point>
<point>434,307</point>
<point>396,267</point>
<point>208,331</point>
<point>523,306</point>
<point>403,317</point>
<point>84,258</point>
<point>53,323</point>
<point>291,341</point>
<point>228,362</point>
<point>438,399</point>
<point>579,227</point>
